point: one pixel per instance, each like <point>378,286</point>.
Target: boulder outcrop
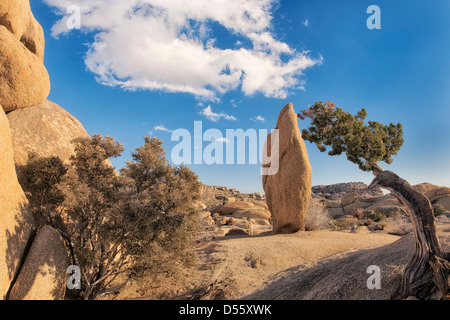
<point>25,80</point>
<point>338,190</point>
<point>17,17</point>
<point>47,129</point>
<point>16,221</point>
<point>43,274</point>
<point>288,192</point>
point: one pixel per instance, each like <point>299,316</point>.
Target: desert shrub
<point>92,195</point>
<point>316,216</point>
<point>438,209</point>
<point>341,224</point>
<point>377,216</point>
<point>380,226</point>
<point>136,223</point>
<point>159,210</point>
<point>40,179</point>
<point>358,213</point>
<point>400,226</point>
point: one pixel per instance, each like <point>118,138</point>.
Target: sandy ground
<point>245,265</point>
<point>236,266</point>
<point>305,265</point>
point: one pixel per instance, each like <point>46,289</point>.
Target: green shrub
<point>377,216</point>
<point>438,209</point>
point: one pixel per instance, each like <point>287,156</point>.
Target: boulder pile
<point>33,258</point>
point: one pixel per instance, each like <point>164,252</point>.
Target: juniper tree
<point>339,132</point>
<point>160,213</point>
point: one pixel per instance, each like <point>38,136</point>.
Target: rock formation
<point>47,129</point>
<point>43,274</point>
<point>16,221</point>
<point>288,192</point>
<point>31,267</point>
<point>336,191</point>
<point>25,80</point>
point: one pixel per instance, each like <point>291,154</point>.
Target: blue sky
<point>117,79</point>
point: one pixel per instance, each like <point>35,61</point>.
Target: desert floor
<point>305,265</point>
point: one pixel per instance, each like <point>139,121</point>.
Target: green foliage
<point>160,210</point>
<point>377,216</point>
<point>364,144</point>
<point>438,209</point>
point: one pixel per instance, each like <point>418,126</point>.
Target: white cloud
<point>214,117</point>
<point>169,45</point>
<point>306,22</point>
<point>258,119</point>
<point>161,128</point>
<point>224,140</point>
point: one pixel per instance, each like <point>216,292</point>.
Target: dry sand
<point>305,265</point>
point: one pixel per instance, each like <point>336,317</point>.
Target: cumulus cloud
<point>214,116</point>
<point>170,46</point>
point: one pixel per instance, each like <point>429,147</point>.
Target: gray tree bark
<point>428,269</point>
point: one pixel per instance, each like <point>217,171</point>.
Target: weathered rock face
<point>230,208</point>
<point>43,274</point>
<point>436,194</point>
<point>17,17</point>
<point>25,80</point>
<point>47,129</point>
<point>16,221</point>
<point>349,198</point>
<point>288,192</point>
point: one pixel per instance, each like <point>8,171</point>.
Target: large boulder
<point>231,208</point>
<point>16,221</point>
<point>349,198</point>
<point>438,193</point>
<point>43,275</point>
<point>288,192</point>
<point>445,202</point>
<point>47,129</point>
<point>253,213</point>
<point>24,79</point>
<point>17,17</point>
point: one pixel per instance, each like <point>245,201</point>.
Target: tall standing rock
<point>288,192</point>
<point>24,79</point>
<point>16,221</point>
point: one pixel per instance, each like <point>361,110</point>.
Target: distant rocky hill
<point>214,195</point>
<point>336,191</point>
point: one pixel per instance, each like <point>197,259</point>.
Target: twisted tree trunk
<point>428,270</point>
